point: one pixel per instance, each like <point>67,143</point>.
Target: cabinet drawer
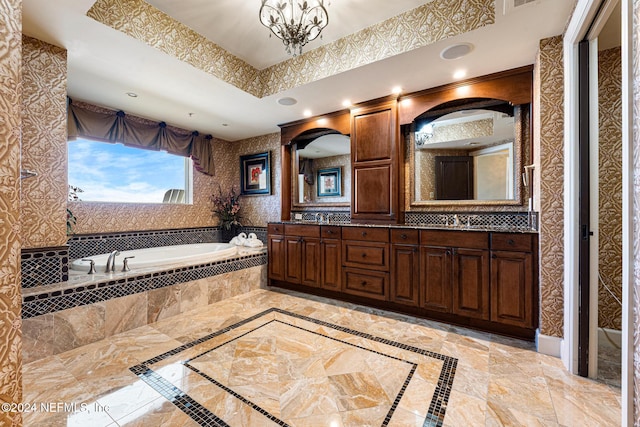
<point>302,230</point>
<point>511,242</point>
<point>367,234</point>
<point>405,236</point>
<point>370,284</point>
<point>455,239</point>
<point>275,228</point>
<point>366,255</point>
<point>330,232</point>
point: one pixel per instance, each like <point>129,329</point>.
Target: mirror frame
<point>311,134</point>
<point>521,140</point>
<point>513,86</point>
<point>339,121</point>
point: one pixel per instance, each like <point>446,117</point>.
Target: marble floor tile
<point>282,358</point>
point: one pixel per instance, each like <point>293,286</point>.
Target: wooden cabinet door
<point>293,263</point>
<point>405,274</point>
<point>512,288</point>
<point>311,268</point>
<point>470,283</point>
<point>435,278</point>
<point>372,190</point>
<point>331,261</point>
<point>373,134</point>
<point>276,249</point>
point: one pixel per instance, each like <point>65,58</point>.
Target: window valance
<point>89,121</point>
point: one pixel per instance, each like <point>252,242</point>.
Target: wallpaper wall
<point>551,195</point>
<point>610,187</point>
<point>635,174</point>
<point>44,144</point>
<point>10,120</point>
<point>422,26</point>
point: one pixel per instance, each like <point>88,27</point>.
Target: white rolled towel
<point>239,240</point>
<point>253,243</point>
<point>252,236</point>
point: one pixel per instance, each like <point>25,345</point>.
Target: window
<point>108,172</point>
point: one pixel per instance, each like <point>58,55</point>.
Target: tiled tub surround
<point>88,308</point>
<point>324,373</point>
<point>48,266</point>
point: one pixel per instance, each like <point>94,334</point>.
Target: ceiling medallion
<point>295,24</point>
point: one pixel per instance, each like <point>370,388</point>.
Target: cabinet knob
<point>329,232</point>
<point>364,255</point>
<point>448,252</point>
<point>363,283</point>
<point>403,236</point>
<point>364,233</point>
<point>494,256</point>
<point>511,242</point>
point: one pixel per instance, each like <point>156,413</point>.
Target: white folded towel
<point>239,240</point>
<point>253,243</point>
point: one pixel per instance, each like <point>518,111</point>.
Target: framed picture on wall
<point>255,174</point>
<point>329,182</point>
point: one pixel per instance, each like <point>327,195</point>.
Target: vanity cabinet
<point>454,272</point>
<point>512,279</point>
<point>365,261</point>
<point>302,254</point>
<point>405,268</point>
<point>480,279</point>
<point>331,257</point>
<point>375,158</point>
<point>276,250</point>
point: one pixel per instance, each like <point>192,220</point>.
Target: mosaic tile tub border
<point>200,414</point>
<point>47,266</point>
<point>52,301</point>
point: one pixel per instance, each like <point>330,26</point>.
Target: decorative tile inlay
<point>422,26</point>
<point>56,300</point>
<point>333,217</point>
<point>349,370</point>
<point>519,221</point>
<point>44,267</point>
<point>81,246</point>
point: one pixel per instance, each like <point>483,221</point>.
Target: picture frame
<point>255,174</point>
<point>329,182</point>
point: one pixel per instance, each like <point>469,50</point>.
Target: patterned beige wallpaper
<point>44,144</point>
<point>551,172</point>
<point>425,25</point>
<point>635,279</point>
<point>10,122</point>
<point>258,210</point>
<point>610,187</point>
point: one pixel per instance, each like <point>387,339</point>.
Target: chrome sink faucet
<point>111,262</point>
<point>319,217</point>
<point>456,222</point>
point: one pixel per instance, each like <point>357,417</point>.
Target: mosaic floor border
<point>203,416</point>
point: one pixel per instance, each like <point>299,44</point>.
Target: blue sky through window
<point>117,173</point>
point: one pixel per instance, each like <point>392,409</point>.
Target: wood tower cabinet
<point>375,156</point>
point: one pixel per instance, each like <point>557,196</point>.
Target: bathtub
<point>161,256</point>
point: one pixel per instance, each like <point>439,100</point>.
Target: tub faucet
<point>111,262</point>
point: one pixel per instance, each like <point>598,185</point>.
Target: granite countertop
<point>495,229</point>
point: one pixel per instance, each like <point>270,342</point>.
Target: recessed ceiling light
<point>287,100</point>
<point>132,94</point>
<point>346,103</point>
<point>456,51</point>
<point>459,74</point>
<point>190,114</point>
<point>396,90</point>
<point>307,113</point>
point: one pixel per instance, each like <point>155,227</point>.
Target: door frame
<point>581,20</point>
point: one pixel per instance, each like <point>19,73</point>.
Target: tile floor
<point>280,358</point>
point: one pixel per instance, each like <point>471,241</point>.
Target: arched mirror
<point>468,151</point>
<point>321,168</point>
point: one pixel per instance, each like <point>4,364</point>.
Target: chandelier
<point>424,135</point>
<point>295,24</point>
